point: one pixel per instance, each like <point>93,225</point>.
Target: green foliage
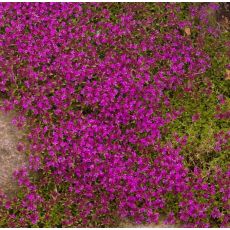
<point>199,150</point>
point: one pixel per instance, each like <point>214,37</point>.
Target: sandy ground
<point>10,158</point>
<point>147,226</point>
<point>159,225</point>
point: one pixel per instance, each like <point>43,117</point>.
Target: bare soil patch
<point>10,158</point>
<point>160,225</point>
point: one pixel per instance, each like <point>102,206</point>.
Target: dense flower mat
<point>126,108</point>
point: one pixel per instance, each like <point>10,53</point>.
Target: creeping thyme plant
<point>127,112</point>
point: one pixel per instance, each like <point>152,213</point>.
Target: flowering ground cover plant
<point>127,112</point>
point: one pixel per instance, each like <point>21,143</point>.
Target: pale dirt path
<point>10,158</point>
<point>159,225</point>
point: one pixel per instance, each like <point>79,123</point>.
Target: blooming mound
<point>103,89</point>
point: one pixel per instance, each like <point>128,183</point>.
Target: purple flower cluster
<point>92,86</point>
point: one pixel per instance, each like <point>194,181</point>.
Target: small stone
<point>227,74</point>
<point>187,30</point>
